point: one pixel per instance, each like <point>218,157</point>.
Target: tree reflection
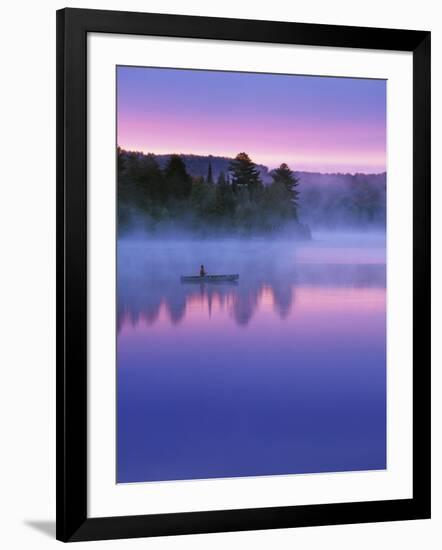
<point>143,298</point>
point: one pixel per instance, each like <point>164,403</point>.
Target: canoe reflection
<point>142,299</point>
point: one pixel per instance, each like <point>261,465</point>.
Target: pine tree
<point>140,186</point>
<point>224,200</point>
<point>201,197</point>
<point>244,173</point>
<point>153,178</point>
<point>284,176</point>
<point>178,181</point>
<point>209,174</point>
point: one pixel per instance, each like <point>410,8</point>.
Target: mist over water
<point>282,372</point>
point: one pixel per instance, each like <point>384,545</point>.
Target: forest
<point>157,197</point>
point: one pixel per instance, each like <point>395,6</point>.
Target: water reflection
<point>142,299</point>
<point>283,372</point>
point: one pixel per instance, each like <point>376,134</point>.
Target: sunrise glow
<point>312,123</point>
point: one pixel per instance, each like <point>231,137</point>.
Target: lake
<point>283,372</point>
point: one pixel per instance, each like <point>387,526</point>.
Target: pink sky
<point>312,123</point>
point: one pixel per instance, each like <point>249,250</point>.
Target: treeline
<point>342,200</point>
<point>197,165</point>
<point>238,201</point>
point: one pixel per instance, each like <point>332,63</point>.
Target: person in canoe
<point>202,271</point>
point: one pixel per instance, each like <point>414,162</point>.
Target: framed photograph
<point>243,284</point>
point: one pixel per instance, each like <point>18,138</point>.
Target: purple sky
<point>313,123</point>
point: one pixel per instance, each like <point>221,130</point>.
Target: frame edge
<point>71,508</point>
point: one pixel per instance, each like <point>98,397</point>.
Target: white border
<point>105,497</point>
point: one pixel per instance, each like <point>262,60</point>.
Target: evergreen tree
<point>203,199</point>
<point>239,201</point>
<point>245,173</point>
<point>224,200</point>
<point>178,182</point>
<point>284,176</point>
<point>209,174</point>
<point>153,180</point>
<point>222,179</point>
<point>121,160</point>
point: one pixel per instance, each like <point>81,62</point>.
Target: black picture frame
<point>73,25</point>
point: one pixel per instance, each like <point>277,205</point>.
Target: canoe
<point>208,278</point>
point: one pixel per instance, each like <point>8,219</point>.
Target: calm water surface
<point>283,372</point>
